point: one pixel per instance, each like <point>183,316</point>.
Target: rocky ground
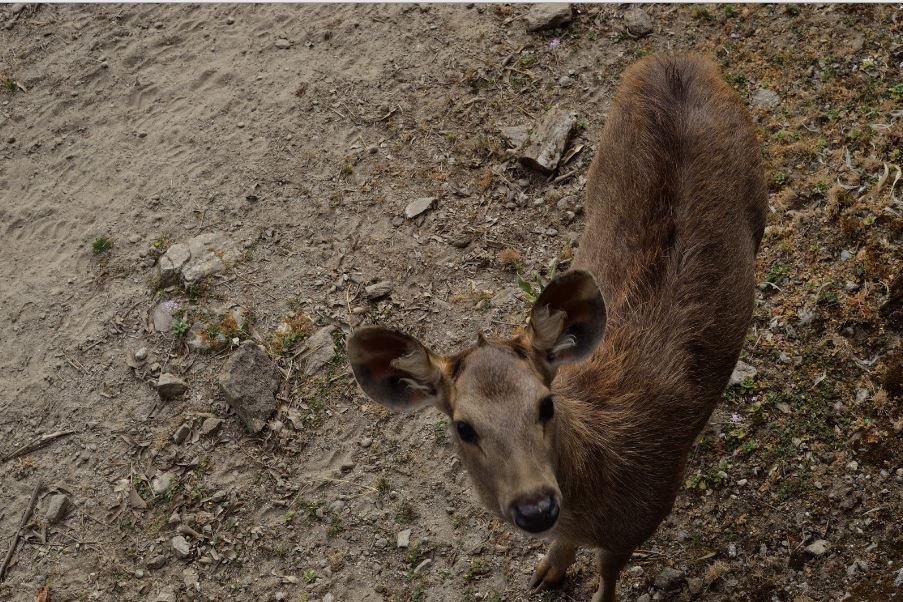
<point>200,202</point>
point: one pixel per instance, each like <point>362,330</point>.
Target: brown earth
<point>143,126</point>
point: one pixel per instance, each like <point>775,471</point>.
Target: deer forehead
<point>497,373</point>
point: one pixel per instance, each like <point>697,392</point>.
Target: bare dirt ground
<point>302,133</point>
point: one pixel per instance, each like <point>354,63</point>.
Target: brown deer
<point>584,439</point>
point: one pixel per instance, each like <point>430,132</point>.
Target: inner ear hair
<point>546,327</point>
<point>566,343</point>
<point>420,366</point>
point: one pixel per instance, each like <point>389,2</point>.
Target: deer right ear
<point>568,320</point>
<point>395,369</point>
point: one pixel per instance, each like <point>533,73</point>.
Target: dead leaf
<point>43,595</point>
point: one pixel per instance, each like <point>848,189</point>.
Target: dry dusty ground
<point>152,124</point>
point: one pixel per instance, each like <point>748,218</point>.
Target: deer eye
<point>465,432</point>
<point>546,409</point>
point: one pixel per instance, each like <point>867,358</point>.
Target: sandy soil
<point>144,126</point>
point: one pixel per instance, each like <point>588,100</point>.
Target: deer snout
<point>536,512</point>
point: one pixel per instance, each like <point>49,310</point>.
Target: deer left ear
<point>568,320</point>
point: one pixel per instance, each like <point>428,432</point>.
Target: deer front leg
<point>610,565</point>
<point>550,570</point>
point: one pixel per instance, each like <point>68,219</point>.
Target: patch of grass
<point>820,189</point>
<point>335,525</point>
<point>700,13</point>
<point>533,286</point>
<point>440,433</point>
<point>780,178</point>
<point>738,80</point>
<point>792,9</point>
<point>102,244</point>
<point>294,329</point>
<point>730,11</point>
<point>309,576</point>
<point>9,85</point>
<point>777,273</point>
<point>509,258</point>
<point>475,569</point>
<point>528,59</point>
<point>180,326</point>
<point>161,244</point>
<point>794,485</point>
<point>406,512</point>
<point>709,478</point>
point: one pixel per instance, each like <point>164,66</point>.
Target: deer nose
<point>536,513</point>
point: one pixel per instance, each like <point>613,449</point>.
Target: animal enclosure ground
<point>298,135</point>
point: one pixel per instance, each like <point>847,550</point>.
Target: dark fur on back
<point>675,212</point>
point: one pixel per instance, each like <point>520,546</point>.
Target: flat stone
<point>181,546</point>
<point>741,371</point>
<point>515,136</point>
<point>191,579</point>
<point>170,386</point>
<point>162,315</point>
<point>57,507</point>
<point>161,483</point>
<point>763,97</point>
<point>320,349</point>
<point>210,254</point>
<point>181,434</point>
<point>283,44</point>
<point>818,547</point>
<point>377,291</point>
<point>249,381</point>
<point>638,22</point>
<point>548,140</point>
<point>548,16</point>
<point>419,206</point>
<point>171,264</point>
<point>157,562</point>
<point>669,579</point>
<point>404,538</point>
<point>167,594</point>
<point>202,256</point>
<point>210,426</point>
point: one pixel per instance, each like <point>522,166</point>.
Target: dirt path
<point>301,133</point>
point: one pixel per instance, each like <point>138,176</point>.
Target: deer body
<point>585,439</point>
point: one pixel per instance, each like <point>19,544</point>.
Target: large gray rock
<point>57,508</point>
<point>320,349</point>
<point>419,206</point>
<point>547,141</point>
<point>181,546</point>
<point>171,264</point>
<point>638,22</point>
<point>764,97</point>
<point>249,381</point>
<point>548,16</point>
<point>202,256</point>
<point>669,579</point>
<point>170,386</point>
<point>741,371</point>
<point>163,315</point>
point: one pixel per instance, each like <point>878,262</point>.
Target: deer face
<point>497,395</point>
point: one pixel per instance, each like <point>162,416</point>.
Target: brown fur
<point>675,213</point>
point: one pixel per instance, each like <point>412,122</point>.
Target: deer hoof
<point>547,576</point>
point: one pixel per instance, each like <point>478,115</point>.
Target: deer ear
<point>395,369</point>
<point>568,320</point>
